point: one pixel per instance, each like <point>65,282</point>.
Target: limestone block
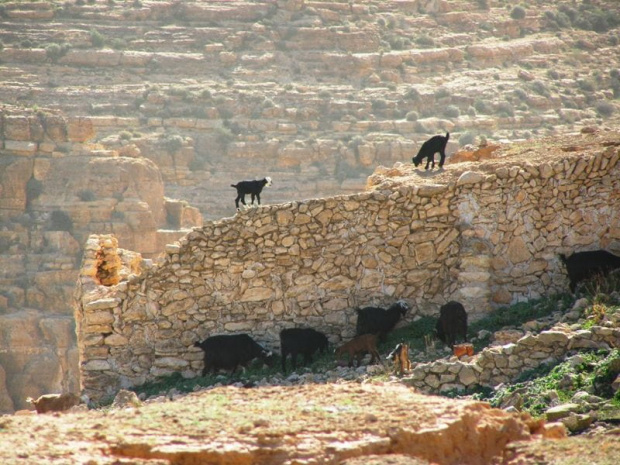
<point>517,251</point>
<point>171,363</point>
<point>257,294</point>
<point>468,376</point>
<point>553,338</point>
<point>23,148</point>
<point>96,365</point>
<point>79,129</point>
<point>17,128</point>
<point>102,304</point>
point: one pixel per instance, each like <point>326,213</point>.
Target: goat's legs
<point>443,157</point>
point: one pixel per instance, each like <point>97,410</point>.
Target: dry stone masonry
<point>484,239</point>
<point>504,364</point>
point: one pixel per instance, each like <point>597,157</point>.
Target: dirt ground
<point>379,423</point>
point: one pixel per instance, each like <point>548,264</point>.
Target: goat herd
<point>228,352</point>
<point>373,323</point>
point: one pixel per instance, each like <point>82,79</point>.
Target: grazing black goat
<point>436,144</point>
<point>581,266</point>
<point>452,323</point>
<point>375,320</point>
<point>228,352</point>
<point>254,188</point>
<point>305,341</point>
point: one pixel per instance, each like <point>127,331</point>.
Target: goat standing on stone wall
<point>254,188</point>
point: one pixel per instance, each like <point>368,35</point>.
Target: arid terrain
<point>134,117</point>
<point>313,424</point>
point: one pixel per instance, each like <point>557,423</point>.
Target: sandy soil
<point>337,423</point>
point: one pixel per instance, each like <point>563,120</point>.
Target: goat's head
<point>403,307</point>
<point>268,181</point>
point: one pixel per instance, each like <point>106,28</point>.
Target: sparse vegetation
<point>60,221</point>
<point>97,39</point>
<point>86,195</point>
<point>518,12</point>
<point>171,143</point>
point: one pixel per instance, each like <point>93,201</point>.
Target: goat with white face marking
<point>254,188</point>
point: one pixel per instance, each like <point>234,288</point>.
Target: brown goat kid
<point>400,357</point>
<point>54,402</point>
<point>358,347</point>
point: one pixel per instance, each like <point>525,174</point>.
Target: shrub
<point>467,138</point>
<point>452,111</point>
<point>412,94</point>
<point>442,92</point>
<point>605,108</point>
<point>96,38</point>
<point>412,116</point>
<point>586,85</point>
<point>171,143</point>
<point>518,12</point>
<point>520,94</point>
<point>481,106</point>
<point>540,88</point>
<point>425,41</point>
<point>124,135</point>
<point>118,44</point>
<point>56,51</point>
<point>86,195</point>
<point>553,74</point>
<point>505,109</point>
<point>379,104</point>
<point>60,221</point>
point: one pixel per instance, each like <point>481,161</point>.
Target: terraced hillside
<point>112,108</point>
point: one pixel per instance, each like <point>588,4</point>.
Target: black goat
<point>452,323</point>
<point>581,266</point>
<point>375,320</point>
<point>228,352</point>
<point>254,188</point>
<point>305,341</point>
<point>436,144</point>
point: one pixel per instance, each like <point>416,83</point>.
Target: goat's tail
<point>447,136</point>
<point>233,185</point>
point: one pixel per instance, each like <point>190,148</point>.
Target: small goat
<point>375,320</point>
<point>400,357</point>
<point>452,323</point>
<point>436,144</point>
<point>254,188</point>
<point>54,402</point>
<point>358,347</point>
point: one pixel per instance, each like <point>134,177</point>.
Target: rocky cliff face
<point>56,190</point>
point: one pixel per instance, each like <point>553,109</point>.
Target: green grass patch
<point>536,388</point>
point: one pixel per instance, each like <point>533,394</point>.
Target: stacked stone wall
<point>483,239</point>
<point>504,364</point>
